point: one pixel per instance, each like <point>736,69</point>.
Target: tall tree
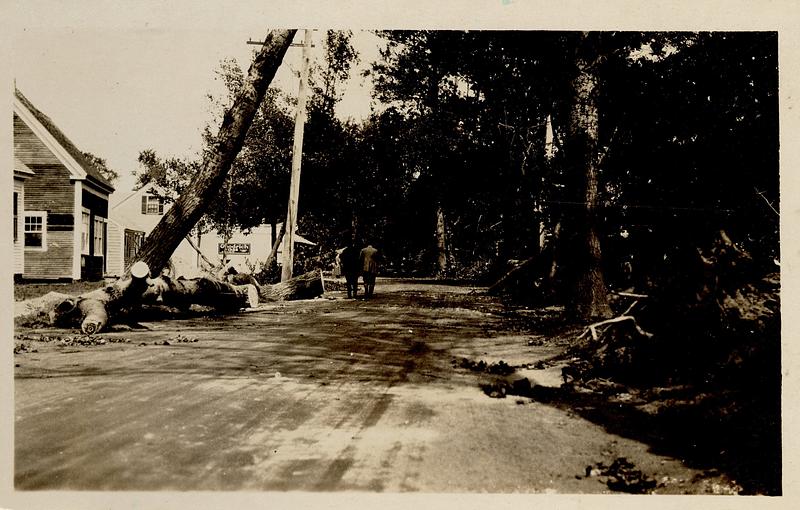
<point>219,157</point>
<point>581,150</point>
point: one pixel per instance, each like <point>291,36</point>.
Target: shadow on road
<point>743,442</point>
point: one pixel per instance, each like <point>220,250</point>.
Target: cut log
<point>181,293</point>
<point>305,286</point>
<point>94,309</point>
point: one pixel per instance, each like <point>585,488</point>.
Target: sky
<point>115,92</point>
<point>120,77</point>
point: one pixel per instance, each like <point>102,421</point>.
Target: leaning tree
<point>96,308</point>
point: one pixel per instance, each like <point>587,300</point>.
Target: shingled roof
<point>93,173</point>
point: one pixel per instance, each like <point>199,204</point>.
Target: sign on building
<point>235,249</point>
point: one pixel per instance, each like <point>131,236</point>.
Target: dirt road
<point>323,395</point>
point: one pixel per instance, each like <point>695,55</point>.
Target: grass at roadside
<point>23,291</point>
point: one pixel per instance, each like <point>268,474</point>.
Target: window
<point>16,216</point>
<point>99,236</point>
<point>85,233</point>
<point>36,230</point>
<point>152,205</point>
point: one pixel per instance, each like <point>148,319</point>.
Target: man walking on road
<point>369,259</point>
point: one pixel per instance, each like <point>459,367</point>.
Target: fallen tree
<point>305,286</point>
<point>94,310</point>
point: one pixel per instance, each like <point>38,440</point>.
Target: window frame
<point>43,232</point>
<point>99,221</point>
<point>154,202</point>
<point>16,217</point>
<point>85,230</point>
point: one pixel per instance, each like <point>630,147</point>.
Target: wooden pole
<point>297,159</point>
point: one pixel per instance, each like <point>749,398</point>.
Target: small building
<point>63,201</point>
<point>135,214</point>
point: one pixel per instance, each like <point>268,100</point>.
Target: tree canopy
<point>468,163</point>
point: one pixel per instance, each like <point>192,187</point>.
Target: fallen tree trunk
<point>305,286</point>
<point>181,293</point>
<point>95,308</point>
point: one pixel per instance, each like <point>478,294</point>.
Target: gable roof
<point>117,199</point>
<point>92,172</point>
<point>21,169</point>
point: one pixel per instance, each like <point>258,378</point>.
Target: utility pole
<point>287,263</point>
<point>297,160</point>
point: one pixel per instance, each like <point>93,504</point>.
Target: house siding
<point>55,262</point>
<point>28,148</point>
<point>115,242</point>
<point>50,190</point>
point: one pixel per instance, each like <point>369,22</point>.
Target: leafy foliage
<point>110,174</point>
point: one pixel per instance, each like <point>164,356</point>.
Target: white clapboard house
<point>136,213</point>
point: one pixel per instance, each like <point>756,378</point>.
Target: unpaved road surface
<point>323,395</point>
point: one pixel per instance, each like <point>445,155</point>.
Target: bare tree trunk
<point>275,244</point>
<point>591,299</point>
<point>441,242</point>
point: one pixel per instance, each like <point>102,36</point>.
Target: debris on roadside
<point>622,476</point>
<point>63,341</point>
<point>496,389</point>
<point>499,368</point>
<point>182,339</point>
<point>500,388</point>
<point>20,348</point>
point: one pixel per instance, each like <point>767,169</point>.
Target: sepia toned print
<point>471,261</point>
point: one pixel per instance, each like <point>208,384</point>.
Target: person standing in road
<point>370,260</point>
<point>350,265</point>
